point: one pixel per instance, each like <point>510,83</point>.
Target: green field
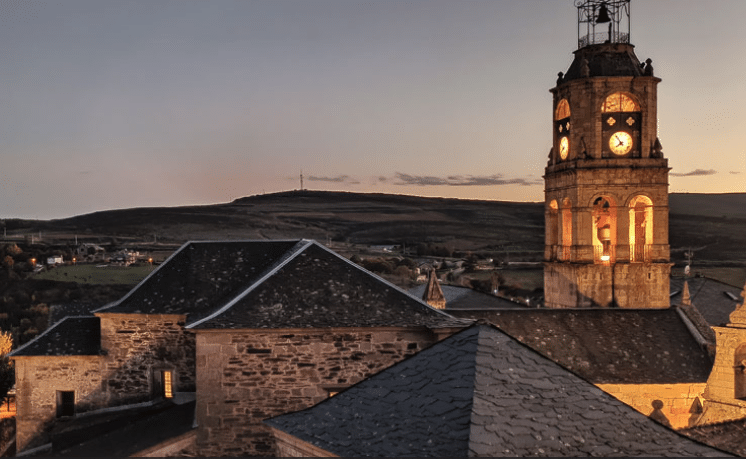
<point>91,274</point>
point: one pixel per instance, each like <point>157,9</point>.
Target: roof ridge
<point>381,279</point>
<point>142,282</point>
<point>288,256</point>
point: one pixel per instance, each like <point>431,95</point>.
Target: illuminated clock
<point>564,147</point>
<point>620,143</point>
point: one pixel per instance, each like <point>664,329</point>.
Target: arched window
<point>552,236</point>
<point>640,228</point>
<point>739,368</point>
<point>619,102</point>
<point>566,214</point>
<point>562,111</point>
<point>604,230</point>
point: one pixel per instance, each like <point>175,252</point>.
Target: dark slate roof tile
<point>466,298</point>
<point>505,416</point>
<point>712,298</point>
<point>623,346</point>
<point>274,284</point>
<point>730,436</point>
<point>202,277</point>
<point>318,288</point>
<point>70,336</point>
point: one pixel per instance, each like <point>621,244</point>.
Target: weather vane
<point>592,13</point>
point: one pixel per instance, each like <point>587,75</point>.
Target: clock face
<point>564,147</point>
<point>620,143</point>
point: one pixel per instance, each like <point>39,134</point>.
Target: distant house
<point>90,252</point>
<point>476,393</point>
<point>250,329</point>
<point>124,257</point>
<point>55,260</point>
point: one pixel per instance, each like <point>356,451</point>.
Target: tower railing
<point>604,256</point>
<point>640,253</point>
<point>602,37</point>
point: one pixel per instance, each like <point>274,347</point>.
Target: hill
<point>712,225</point>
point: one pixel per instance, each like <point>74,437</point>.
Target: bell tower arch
<point>607,161</point>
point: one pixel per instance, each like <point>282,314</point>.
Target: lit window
<point>619,102</point>
<point>563,110</point>
<point>167,385</point>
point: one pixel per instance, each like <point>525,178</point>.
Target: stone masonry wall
<point>721,403</point>
<point>678,400</point>
<point>244,377</point>
<point>136,345</point>
<point>37,381</point>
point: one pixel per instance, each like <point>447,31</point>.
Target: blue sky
<point>163,103</point>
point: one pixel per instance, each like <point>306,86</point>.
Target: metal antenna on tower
<point>301,179</point>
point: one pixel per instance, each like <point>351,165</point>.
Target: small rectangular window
<point>167,385</point>
<point>65,403</point>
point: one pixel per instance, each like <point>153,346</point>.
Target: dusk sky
<point>118,104</point>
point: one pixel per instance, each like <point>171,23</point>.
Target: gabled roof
<point>70,336</point>
<point>203,276</point>
<point>317,288</point>
<point>619,346</point>
<point>712,298</point>
<point>480,393</point>
<point>273,284</point>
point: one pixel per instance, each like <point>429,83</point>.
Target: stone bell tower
<point>606,182</point>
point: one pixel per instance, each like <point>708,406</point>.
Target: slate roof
<point>318,288</point>
<point>467,298</point>
<point>480,392</point>
<point>620,346</point>
<point>616,59</point>
<point>70,336</point>
<point>709,296</point>
<point>201,277</point>
<point>274,284</point>
<point>729,436</point>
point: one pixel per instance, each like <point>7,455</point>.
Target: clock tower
<point>606,182</point>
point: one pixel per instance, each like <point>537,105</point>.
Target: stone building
<point>251,329</point>
<point>725,397</point>
<point>606,240</point>
<point>651,359</point>
<point>476,393</point>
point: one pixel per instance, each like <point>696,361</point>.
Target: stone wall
<point>37,381</point>
<point>635,285</point>
<point>287,445</point>
<point>681,404</point>
<point>136,345</point>
<point>722,402</point>
<point>244,377</point>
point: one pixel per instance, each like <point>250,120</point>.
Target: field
<point>92,274</point>
<point>712,226</point>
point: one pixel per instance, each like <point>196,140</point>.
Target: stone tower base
<point>624,285</point>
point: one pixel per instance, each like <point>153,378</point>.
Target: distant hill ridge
<point>714,221</point>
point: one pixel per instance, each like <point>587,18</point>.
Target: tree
<point>7,373</point>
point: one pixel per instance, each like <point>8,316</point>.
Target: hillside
<point>710,224</point>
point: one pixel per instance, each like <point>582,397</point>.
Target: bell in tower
<point>606,183</point>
